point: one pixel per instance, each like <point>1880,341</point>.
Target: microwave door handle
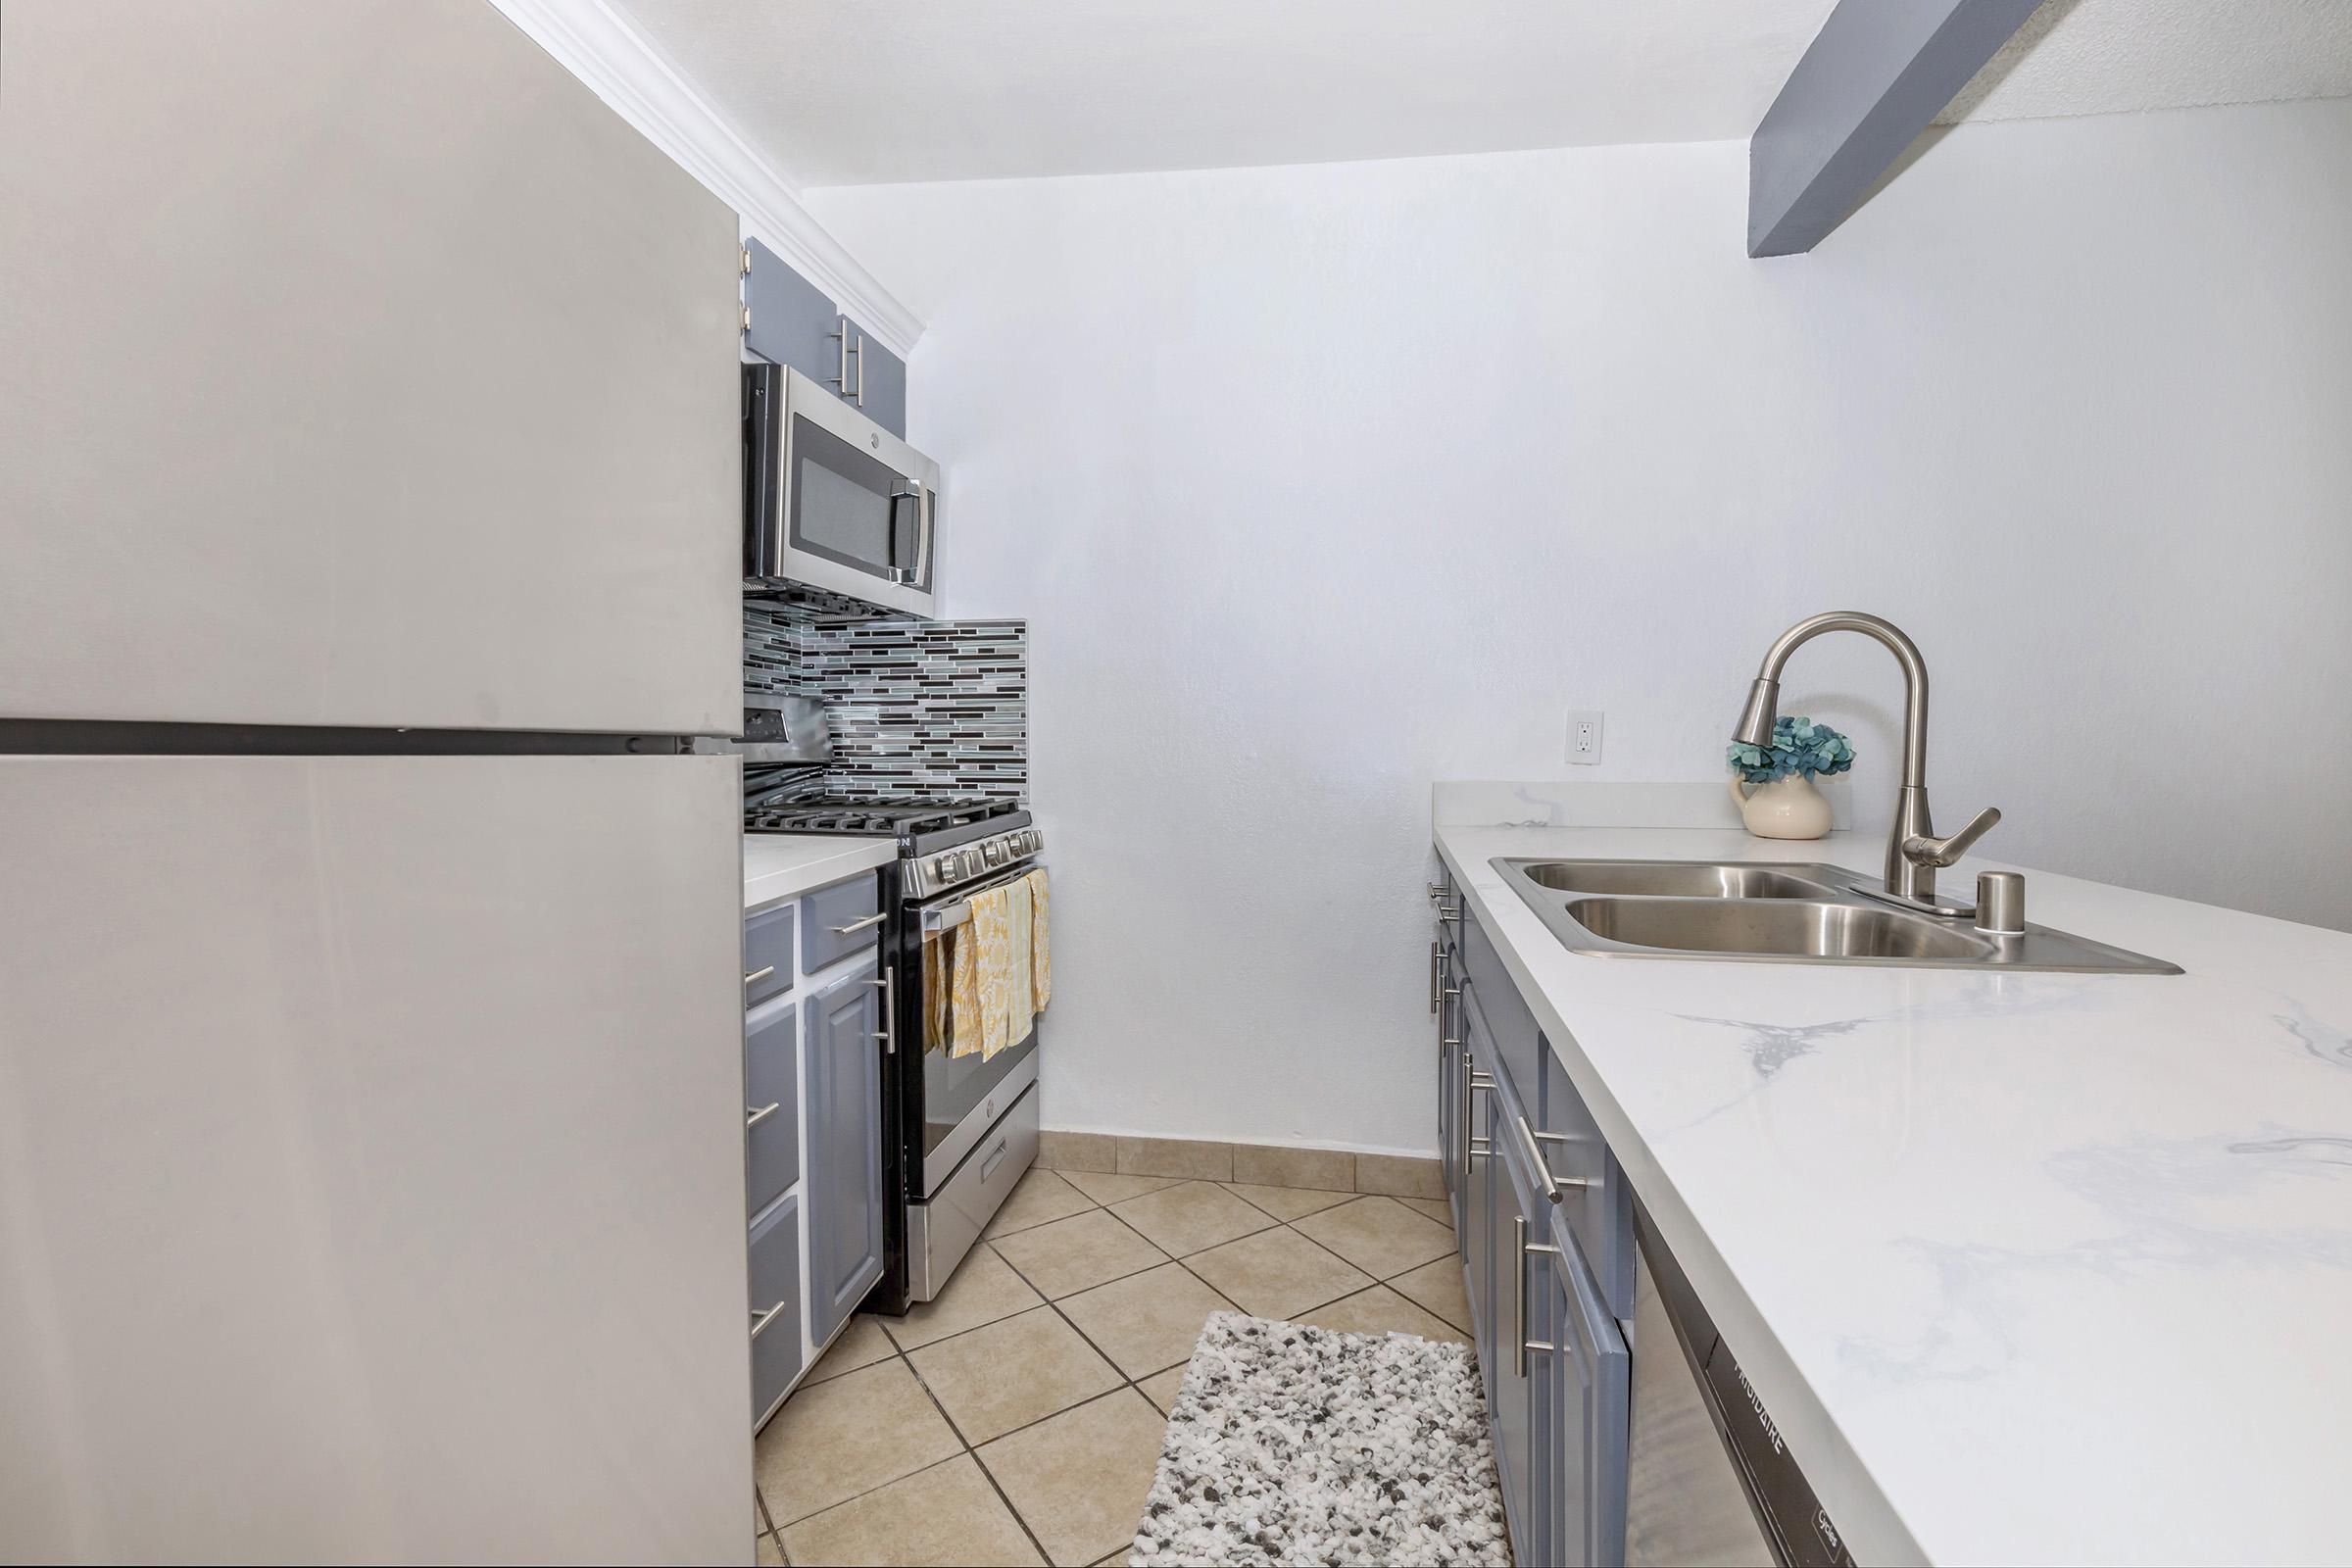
<point>904,576</point>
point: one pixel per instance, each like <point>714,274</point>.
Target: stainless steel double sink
<point>1788,914</point>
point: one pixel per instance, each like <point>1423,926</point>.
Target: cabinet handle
<point>761,1320</point>
<point>1448,911</point>
<point>841,334</point>
<point>1535,1155</point>
<point>1437,972</point>
<point>754,1115</point>
<point>889,1035</point>
<point>860,351</point>
<point>1473,1145</point>
<point>758,975</point>
<point>1520,1343</point>
<point>1552,1183</point>
<point>859,925</point>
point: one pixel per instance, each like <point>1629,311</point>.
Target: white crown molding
<point>597,43</point>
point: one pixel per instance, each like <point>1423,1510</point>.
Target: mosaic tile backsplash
<point>919,706</point>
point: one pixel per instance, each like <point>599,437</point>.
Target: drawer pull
<point>995,1158</point>
<point>754,1115</point>
<point>873,920</point>
<point>758,975</point>
<point>761,1320</point>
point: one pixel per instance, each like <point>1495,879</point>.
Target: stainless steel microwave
<point>832,499</point>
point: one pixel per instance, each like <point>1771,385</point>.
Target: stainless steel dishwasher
<point>1710,1480</point>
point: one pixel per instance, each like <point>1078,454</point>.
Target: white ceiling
<point>845,92</point>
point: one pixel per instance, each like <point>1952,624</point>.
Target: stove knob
<point>993,853</point>
<point>942,866</point>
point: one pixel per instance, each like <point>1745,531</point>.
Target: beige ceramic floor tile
<point>764,1552</point>
<point>1378,1234</point>
<point>862,1343</point>
<point>1192,1215</point>
<point>1072,1254</point>
<point>1146,1321</point>
<point>1162,1387</point>
<point>846,1436</point>
<point>1381,1310</point>
<point>1436,1208</point>
<point>1042,1195</point>
<point>1436,1285</point>
<point>1079,1481</point>
<point>1286,1202</point>
<point>1277,1273</point>
<point>983,1288</point>
<point>1010,1374</point>
<point>946,1514</point>
<point>1107,1190</point>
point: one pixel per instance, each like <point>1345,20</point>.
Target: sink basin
<point>1686,879</point>
<point>1779,927</point>
<point>1790,913</point>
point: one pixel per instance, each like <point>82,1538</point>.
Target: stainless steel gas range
<point>965,1128</point>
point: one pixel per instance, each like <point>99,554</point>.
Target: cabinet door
<point>842,1026</point>
<point>1523,1313</point>
<point>1477,1188</point>
<point>793,323</point>
<point>877,380</point>
<point>363,368</point>
<point>1582,1411</point>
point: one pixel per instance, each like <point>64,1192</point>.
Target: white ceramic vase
<point>1786,808</point>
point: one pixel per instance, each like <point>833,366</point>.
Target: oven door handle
<point>947,916</point>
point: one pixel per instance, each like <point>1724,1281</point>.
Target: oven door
<point>837,502</point>
<point>964,1091</point>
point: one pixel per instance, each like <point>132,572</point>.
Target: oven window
<point>954,1086</point>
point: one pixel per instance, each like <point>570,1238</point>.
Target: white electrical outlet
<point>1583,738</point>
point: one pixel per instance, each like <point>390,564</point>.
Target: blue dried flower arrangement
<point>1798,745</point>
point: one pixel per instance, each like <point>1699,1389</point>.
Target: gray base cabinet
<point>843,1025</point>
<point>1551,1350</point>
<point>813,1038</point>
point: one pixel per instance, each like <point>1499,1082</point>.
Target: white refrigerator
<point>370,1069</point>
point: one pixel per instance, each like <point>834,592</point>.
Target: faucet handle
<point>1924,851</point>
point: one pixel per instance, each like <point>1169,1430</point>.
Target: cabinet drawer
<point>771,1080</point>
<point>768,946</point>
<point>839,920</point>
<point>775,1240</point>
<point>1517,1042</point>
<point>1598,1205</point>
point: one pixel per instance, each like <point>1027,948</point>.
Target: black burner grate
<point>902,815</point>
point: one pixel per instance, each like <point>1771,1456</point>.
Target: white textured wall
<point>1318,484</point>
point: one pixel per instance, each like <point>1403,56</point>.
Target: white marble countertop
<point>784,866</point>
<point>2028,1267</point>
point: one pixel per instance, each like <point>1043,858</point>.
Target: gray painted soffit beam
<point>1876,77</point>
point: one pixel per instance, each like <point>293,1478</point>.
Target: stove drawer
<point>840,920</point>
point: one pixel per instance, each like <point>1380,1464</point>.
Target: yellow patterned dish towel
<point>1040,941</point>
<point>989,939</point>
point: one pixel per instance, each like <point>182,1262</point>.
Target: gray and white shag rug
<point>1297,1445</point>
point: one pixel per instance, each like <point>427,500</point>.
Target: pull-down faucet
<point>1913,854</point>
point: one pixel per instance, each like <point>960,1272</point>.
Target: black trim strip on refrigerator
<point>53,737</point>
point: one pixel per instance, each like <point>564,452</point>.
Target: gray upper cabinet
<point>795,325</point>
<point>791,322</point>
<point>363,368</point>
<point>841,1028</point>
